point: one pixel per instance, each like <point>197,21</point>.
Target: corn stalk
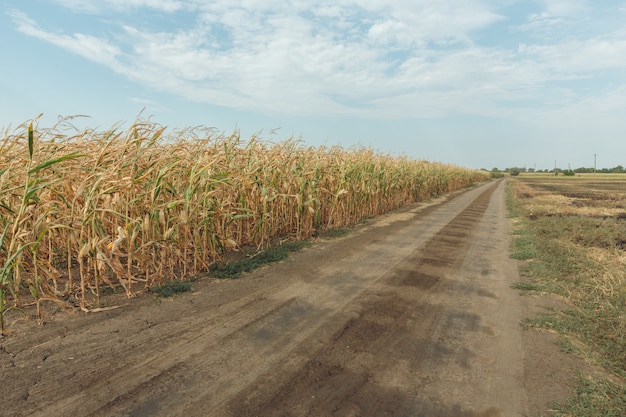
<point>146,206</point>
<point>23,223</point>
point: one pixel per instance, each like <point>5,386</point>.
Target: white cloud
<point>149,104</point>
<point>592,116</point>
<point>566,7</point>
<point>542,22</point>
<point>557,19</point>
<point>97,6</point>
<point>419,22</point>
<point>405,59</point>
<point>577,58</point>
<point>87,46</point>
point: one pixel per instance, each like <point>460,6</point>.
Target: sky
<point>475,83</point>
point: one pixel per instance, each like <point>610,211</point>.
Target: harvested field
<point>572,232</point>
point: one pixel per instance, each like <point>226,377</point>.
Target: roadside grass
<point>594,397</point>
<point>235,268</point>
<point>527,286</point>
<point>169,288</point>
<point>172,287</point>
<point>580,258</point>
<point>246,263</point>
<point>334,233</point>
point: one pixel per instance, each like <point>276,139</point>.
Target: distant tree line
<point>517,170</point>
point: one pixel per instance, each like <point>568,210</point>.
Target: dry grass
<point>589,196</point>
<point>573,232</point>
<point>91,209</point>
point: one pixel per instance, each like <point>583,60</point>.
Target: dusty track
<point>412,315</point>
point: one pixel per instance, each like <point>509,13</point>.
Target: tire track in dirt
<point>354,373</point>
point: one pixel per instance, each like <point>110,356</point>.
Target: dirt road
<point>410,315</point>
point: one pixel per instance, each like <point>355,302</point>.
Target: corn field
<point>130,208</point>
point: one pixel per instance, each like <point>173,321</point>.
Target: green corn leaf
<point>174,203</point>
<point>31,140</point>
<point>31,191</point>
<point>8,264</point>
<point>4,236</point>
<point>7,208</point>
<point>242,216</point>
<point>54,161</point>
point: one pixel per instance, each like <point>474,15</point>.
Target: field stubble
<point>572,233</point>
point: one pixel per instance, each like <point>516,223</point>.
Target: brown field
<point>572,232</point>
<point>585,194</point>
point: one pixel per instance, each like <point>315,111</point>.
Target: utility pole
<point>595,156</point>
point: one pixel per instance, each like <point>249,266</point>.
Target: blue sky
<point>477,83</point>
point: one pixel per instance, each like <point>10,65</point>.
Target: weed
<point>276,253</point>
<point>527,286</point>
<point>334,233</point>
<point>169,288</point>
<point>595,397</point>
<point>524,248</point>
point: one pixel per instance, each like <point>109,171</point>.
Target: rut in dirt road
<point>398,338</point>
<point>412,315</point>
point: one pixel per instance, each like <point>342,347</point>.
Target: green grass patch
<point>597,321</point>
<point>595,397</point>
<point>527,286</point>
<point>334,233</point>
<point>170,288</point>
<point>524,248</point>
<point>606,233</point>
<point>234,269</point>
